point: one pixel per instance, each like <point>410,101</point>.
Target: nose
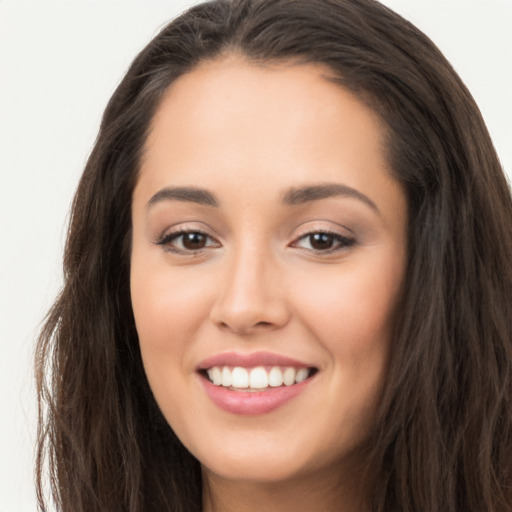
<point>251,297</point>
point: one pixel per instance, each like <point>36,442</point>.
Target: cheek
<point>169,309</point>
<point>352,314</point>
<point>168,306</point>
<point>169,312</point>
<point>353,311</point>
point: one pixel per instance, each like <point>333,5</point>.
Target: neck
<point>327,492</point>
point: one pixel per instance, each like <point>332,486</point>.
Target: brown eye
<point>324,242</point>
<point>321,241</point>
<point>186,242</point>
<point>194,241</point>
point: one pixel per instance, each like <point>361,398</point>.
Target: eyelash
<point>167,241</point>
<point>340,242</point>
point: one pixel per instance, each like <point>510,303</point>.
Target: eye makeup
<point>324,242</point>
<point>186,241</point>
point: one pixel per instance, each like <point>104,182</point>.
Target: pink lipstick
<point>254,383</point>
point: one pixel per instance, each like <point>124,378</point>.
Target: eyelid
<point>323,226</point>
<point>176,232</point>
<point>345,241</point>
<point>183,227</point>
<point>342,242</point>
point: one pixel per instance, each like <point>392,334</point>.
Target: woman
<point>288,279</point>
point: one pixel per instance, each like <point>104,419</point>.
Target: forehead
<point>253,95</point>
<point>233,123</point>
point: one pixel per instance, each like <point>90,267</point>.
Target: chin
<point>266,461</point>
<point>258,469</point>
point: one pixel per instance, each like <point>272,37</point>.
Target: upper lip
<point>250,360</point>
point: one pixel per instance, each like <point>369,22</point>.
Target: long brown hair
<point>443,438</point>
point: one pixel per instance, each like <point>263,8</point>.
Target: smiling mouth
<point>259,378</point>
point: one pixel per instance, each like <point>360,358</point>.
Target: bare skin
<point>266,220</point>
<point>334,491</point>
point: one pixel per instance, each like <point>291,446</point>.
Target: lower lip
<point>252,402</point>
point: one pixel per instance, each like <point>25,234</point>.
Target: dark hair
<point>443,438</point>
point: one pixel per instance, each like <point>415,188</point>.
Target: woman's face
<point>269,245</point>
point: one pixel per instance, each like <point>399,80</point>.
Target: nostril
<point>263,324</point>
<point>246,327</point>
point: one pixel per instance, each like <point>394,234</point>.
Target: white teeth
<point>215,375</point>
<point>302,374</point>
<point>289,376</point>
<point>275,377</point>
<point>227,379</point>
<point>256,378</point>
<point>239,377</point>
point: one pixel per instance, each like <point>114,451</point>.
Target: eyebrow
<point>295,196</point>
<point>187,194</point>
<point>292,197</point>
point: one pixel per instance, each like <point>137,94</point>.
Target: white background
<point>59,63</point>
